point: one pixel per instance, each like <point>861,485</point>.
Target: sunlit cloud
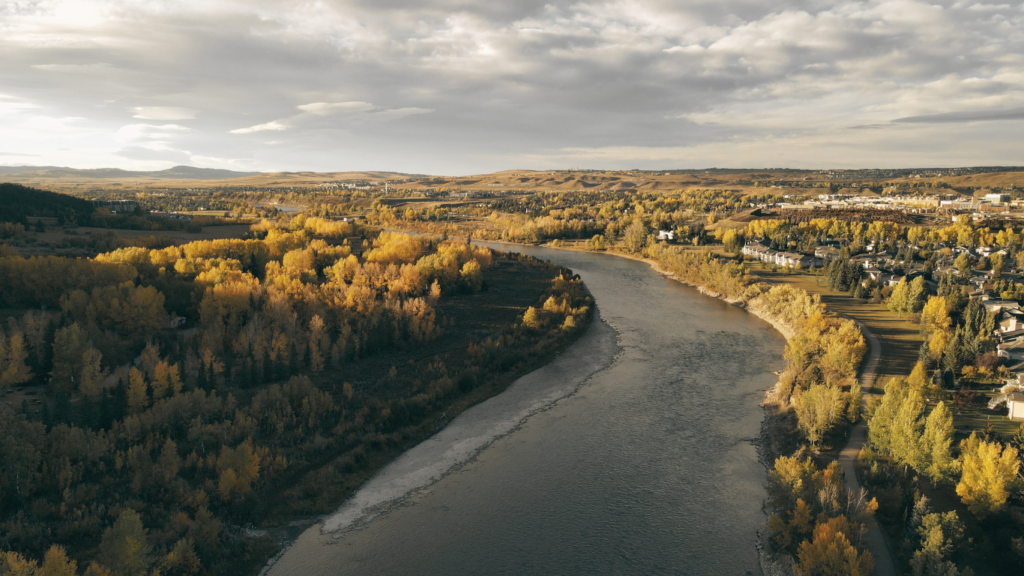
<point>272,125</point>
<point>164,113</point>
<point>441,87</point>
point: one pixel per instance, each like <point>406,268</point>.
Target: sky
<point>474,86</point>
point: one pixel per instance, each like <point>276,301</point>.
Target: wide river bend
<point>632,453</point>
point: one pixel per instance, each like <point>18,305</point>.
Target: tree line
<point>154,445</point>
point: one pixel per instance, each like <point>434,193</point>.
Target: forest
<point>159,401</point>
<point>18,202</point>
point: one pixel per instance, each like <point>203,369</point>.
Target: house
<point>1010,320</point>
<point>795,259</point>
<point>755,250</point>
<point>941,271</point>
<point>997,306</point>
<point>1015,404</point>
<point>177,321</point>
<point>666,235</point>
<point>1012,350</point>
<point>826,253</point>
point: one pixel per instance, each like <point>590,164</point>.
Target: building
<point>997,198</point>
<point>826,253</point>
<point>997,306</point>
<point>1012,350</point>
<point>666,235</point>
<point>1015,404</point>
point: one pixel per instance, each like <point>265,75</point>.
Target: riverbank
<point>650,468</point>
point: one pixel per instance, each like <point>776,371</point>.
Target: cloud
<point>352,112</point>
<point>959,117</point>
<point>361,110</point>
<point>164,113</point>
<point>272,125</point>
<point>149,132</point>
<point>150,155</point>
<point>94,68</point>
<point>328,108</point>
<point>443,86</point>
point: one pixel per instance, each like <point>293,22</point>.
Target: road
<point>884,565</point>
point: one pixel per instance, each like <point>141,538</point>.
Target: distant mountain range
<point>178,172</point>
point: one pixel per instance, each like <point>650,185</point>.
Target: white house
<point>1015,403</point>
<point>666,235</point>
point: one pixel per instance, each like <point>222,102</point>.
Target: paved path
<point>884,565</point>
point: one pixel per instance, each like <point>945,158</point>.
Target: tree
<point>919,380</point>
<point>916,295</point>
<point>168,463</point>
<point>937,459</point>
<point>160,380</point>
<point>138,391</point>
<point>997,263</point>
<point>635,236</point>
<point>91,379</point>
<point>830,553</point>
<point>935,315</point>
<point>319,343</point>
<point>13,369</point>
<point>940,536</point>
<point>853,405</point>
<point>181,559</point>
<point>880,425</point>
<point>531,319</point>
<point>124,548</point>
<point>69,347</point>
<point>57,563</point>
<point>988,471</point>
<point>963,264</point>
<point>472,276</point>
<point>900,301</point>
<point>239,467</point>
<point>818,409</point>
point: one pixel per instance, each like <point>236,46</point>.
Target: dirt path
<point>884,565</point>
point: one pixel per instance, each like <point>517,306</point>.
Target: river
<point>632,453</point>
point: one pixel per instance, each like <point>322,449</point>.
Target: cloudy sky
<point>471,86</point>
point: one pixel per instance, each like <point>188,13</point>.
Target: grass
<point>900,338</point>
<point>978,416</point>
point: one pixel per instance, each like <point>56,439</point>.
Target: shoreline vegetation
<point>307,356</point>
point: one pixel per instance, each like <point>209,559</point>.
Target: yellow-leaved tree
<point>830,553</point>
<point>238,467</point>
<point>988,471</point>
<point>138,391</point>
